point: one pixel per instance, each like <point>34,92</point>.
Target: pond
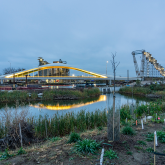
<point>62,107</point>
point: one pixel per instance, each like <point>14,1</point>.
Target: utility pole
<point>10,66</point>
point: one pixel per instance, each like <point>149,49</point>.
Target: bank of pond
<point>155,91</point>
<point>55,94</point>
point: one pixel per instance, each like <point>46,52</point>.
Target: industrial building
<point>53,71</point>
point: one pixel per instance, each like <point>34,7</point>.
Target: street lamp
<point>106,67</point>
<point>10,66</point>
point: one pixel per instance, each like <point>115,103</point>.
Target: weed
<point>128,131</point>
<point>110,154</point>
<point>150,149</point>
<point>138,147</point>
<point>53,139</point>
<point>100,128</point>
<point>87,146</point>
<point>71,159</point>
<point>21,151</point>
<point>129,153</point>
<point>161,136</point>
<point>141,143</point>
<point>150,137</point>
<point>74,137</point>
<point>5,155</point>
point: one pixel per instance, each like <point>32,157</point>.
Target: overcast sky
<point>82,32</point>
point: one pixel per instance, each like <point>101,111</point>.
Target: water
<point>62,107</point>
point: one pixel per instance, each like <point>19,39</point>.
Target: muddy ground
<point>128,150</point>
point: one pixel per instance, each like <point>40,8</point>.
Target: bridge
<point>93,76</point>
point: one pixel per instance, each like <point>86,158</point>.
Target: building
<point>53,71</point>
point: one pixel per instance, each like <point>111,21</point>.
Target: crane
<point>139,73</point>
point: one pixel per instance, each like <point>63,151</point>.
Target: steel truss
<point>149,65</point>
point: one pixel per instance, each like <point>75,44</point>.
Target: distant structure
<point>53,71</point>
<point>149,65</point>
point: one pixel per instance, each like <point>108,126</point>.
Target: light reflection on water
<point>62,107</point>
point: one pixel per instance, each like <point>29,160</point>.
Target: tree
<point>11,70</point>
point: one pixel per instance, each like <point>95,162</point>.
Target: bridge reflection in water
<point>67,107</point>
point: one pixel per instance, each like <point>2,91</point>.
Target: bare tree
<point>11,70</point>
<point>113,126</point>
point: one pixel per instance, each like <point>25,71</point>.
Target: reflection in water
<point>66,107</point>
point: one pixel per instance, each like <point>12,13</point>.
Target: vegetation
<point>87,146</point>
<point>74,137</point>
<point>128,131</point>
<point>54,139</point>
<point>150,149</point>
<point>21,151</point>
<point>136,90</point>
<point>110,154</point>
<point>141,142</point>
<point>60,125</point>
<point>5,155</point>
<point>14,96</point>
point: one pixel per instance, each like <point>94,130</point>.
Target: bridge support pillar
<point>1,81</point>
<point>109,82</point>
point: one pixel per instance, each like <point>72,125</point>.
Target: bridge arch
<point>50,66</point>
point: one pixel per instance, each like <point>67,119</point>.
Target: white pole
<point>142,123</point>
<point>101,158</point>
<point>156,140</point>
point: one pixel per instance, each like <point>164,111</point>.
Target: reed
<point>136,90</point>
<point>70,122</point>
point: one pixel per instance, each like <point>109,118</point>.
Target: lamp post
<point>106,67</point>
<point>10,66</point>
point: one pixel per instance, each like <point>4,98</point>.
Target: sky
<point>84,33</point>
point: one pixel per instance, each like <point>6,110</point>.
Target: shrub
<point>110,154</point>
<point>128,131</point>
<point>125,112</point>
<point>87,146</point>
<point>74,137</point>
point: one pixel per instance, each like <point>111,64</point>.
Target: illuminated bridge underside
<point>26,72</point>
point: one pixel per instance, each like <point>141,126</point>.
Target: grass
<point>13,96</point>
<point>110,154</point>
<point>54,139</point>
<point>136,90</point>
<point>87,146</point>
